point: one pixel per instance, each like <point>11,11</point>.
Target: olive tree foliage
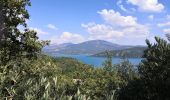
<point>126,71</point>
<point>19,51</point>
<point>119,75</point>
<point>107,64</point>
<point>15,43</point>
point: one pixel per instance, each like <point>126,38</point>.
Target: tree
<point>168,36</point>
<point>17,48</point>
<point>126,71</point>
<point>15,43</point>
<point>155,70</point>
<point>108,65</point>
<point>154,74</point>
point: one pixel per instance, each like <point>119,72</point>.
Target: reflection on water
<point>97,61</point>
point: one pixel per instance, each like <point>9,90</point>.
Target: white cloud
<point>163,24</point>
<point>51,26</point>
<point>123,8</point>
<point>115,18</point>
<point>133,9</point>
<point>168,17</point>
<point>39,31</point>
<point>127,24</point>
<point>166,31</point>
<point>67,37</point>
<point>151,17</point>
<point>119,3</point>
<point>117,28</point>
<point>101,31</point>
<point>138,31</point>
<point>147,5</point>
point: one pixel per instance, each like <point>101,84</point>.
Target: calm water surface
<point>97,61</point>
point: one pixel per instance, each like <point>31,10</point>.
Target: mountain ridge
<point>88,47</point>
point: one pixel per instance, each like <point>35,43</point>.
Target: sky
<point>127,22</point>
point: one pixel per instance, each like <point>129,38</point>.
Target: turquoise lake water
<point>97,61</point>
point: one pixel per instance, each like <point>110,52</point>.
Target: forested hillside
<point>27,74</point>
<point>134,52</point>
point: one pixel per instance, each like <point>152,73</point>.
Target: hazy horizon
<point>94,40</point>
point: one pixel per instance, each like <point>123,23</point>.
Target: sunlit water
<point>97,61</point>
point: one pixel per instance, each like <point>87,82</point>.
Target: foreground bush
<point>154,74</point>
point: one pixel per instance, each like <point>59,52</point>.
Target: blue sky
<point>127,22</point>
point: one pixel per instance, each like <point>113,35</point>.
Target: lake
<point>97,61</point>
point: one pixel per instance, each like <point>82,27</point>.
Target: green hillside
<point>135,52</point>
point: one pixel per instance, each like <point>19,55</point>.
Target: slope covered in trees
<point>134,52</point>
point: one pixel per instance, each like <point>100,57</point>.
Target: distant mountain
<point>88,47</point>
<point>65,44</point>
<point>134,52</point>
<point>55,47</point>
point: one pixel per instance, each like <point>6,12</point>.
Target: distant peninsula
<point>134,52</point>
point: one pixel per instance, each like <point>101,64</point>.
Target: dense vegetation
<point>27,74</point>
<point>134,52</point>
